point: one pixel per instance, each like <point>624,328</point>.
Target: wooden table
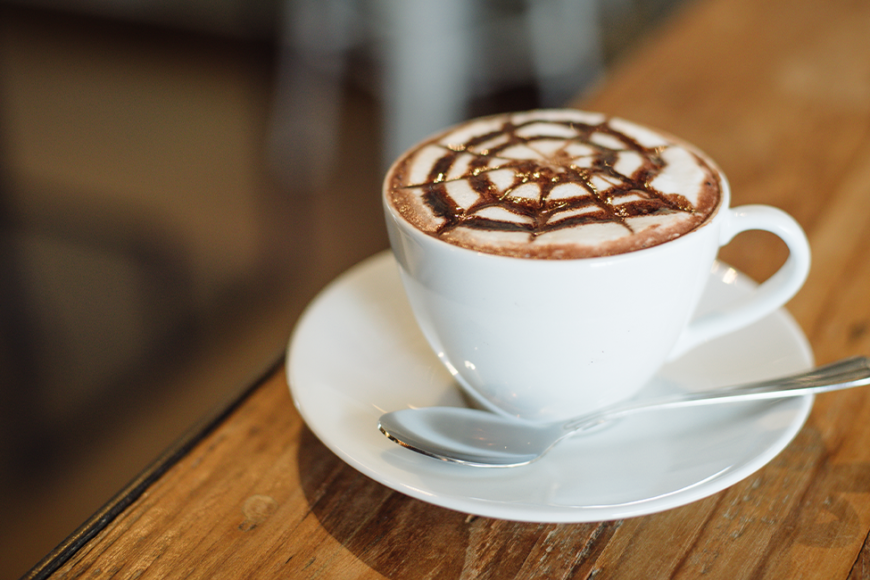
<point>778,92</point>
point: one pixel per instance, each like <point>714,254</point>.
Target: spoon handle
<point>844,374</point>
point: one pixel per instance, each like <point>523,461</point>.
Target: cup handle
<point>770,295</point>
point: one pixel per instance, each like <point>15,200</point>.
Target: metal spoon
<point>483,439</point>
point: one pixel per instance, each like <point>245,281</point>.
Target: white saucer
<point>357,353</point>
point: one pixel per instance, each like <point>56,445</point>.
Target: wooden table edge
<point>133,490</point>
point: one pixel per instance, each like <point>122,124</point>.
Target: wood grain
<point>778,92</point>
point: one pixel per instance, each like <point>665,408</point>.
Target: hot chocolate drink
<point>553,184</point>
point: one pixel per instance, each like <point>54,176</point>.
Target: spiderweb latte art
<point>553,184</point>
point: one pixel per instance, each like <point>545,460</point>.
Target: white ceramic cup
<point>552,339</point>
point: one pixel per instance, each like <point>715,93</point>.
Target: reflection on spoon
<point>482,439</point>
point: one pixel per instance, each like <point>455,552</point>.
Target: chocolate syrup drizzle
<point>553,170</point>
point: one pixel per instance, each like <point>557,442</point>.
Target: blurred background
<point>177,181</point>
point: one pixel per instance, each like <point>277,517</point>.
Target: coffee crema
<point>553,184</point>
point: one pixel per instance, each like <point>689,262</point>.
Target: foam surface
<point>553,184</point>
